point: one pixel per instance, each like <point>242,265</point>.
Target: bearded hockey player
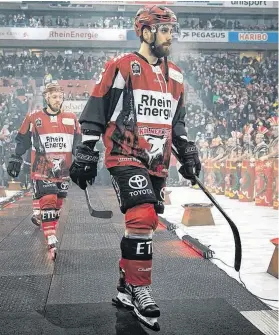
<point>52,135</point>
<point>138,106</point>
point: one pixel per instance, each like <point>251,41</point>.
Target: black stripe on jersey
<point>98,110</point>
<point>178,122</point>
<point>23,143</point>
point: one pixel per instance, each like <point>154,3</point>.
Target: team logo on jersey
<point>38,122</point>
<point>136,68</point>
<point>53,118</point>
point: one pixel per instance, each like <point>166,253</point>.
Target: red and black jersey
<point>52,139</point>
<point>137,111</point>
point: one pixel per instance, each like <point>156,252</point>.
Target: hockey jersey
<point>53,139</point>
<point>137,111</point>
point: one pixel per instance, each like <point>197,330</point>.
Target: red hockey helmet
<point>153,15</point>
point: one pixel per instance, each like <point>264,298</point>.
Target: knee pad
<point>48,201</point>
<point>142,217</point>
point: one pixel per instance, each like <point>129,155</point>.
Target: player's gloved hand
<point>14,165</point>
<point>188,153</point>
<point>84,168</point>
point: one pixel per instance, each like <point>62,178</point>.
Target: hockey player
<point>138,104</point>
<point>53,135</point>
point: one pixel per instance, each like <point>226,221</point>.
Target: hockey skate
<point>36,220</point>
<point>52,247</point>
<point>123,297</point>
<point>145,308</point>
<point>138,299</point>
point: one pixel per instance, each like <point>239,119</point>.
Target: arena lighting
<point>201,249</point>
<point>191,242</point>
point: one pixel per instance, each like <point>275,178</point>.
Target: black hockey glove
<point>188,154</point>
<point>84,167</point>
<point>14,165</point>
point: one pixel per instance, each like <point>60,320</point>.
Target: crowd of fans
<point>13,108</point>
<point>234,92</point>
<point>228,24</point>
<point>100,22</point>
<point>59,66</point>
<point>125,22</point>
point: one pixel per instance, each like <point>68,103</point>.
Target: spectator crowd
<point>193,21</point>
<point>237,23</point>
<point>234,92</point>
<point>13,108</point>
<point>62,21</point>
<point>59,66</point>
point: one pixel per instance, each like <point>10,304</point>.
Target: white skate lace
<point>144,296</point>
<point>51,240</point>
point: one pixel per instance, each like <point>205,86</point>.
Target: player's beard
<point>55,108</point>
<point>159,51</point>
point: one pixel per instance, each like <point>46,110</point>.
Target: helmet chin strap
<point>153,50</point>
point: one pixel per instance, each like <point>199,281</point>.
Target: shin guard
<point>48,214</point>
<point>137,247</point>
<point>59,206</point>
<point>136,260</point>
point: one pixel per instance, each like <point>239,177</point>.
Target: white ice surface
<point>256,225</point>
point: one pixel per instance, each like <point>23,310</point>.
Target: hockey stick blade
<point>93,212</point>
<point>237,241</point>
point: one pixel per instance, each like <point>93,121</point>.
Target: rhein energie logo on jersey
<point>151,106</point>
<point>55,142</point>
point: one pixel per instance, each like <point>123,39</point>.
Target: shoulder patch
<point>38,122</point>
<point>175,75</point>
<point>136,68</point>
<point>68,122</point>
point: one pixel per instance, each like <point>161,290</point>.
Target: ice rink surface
<point>256,225</point>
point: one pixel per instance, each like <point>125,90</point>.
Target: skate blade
<point>151,323</point>
<point>123,300</point>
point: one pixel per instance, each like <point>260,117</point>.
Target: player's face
<point>163,40</point>
<point>55,100</point>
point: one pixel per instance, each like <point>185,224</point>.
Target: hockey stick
<point>93,212</point>
<point>237,241</point>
